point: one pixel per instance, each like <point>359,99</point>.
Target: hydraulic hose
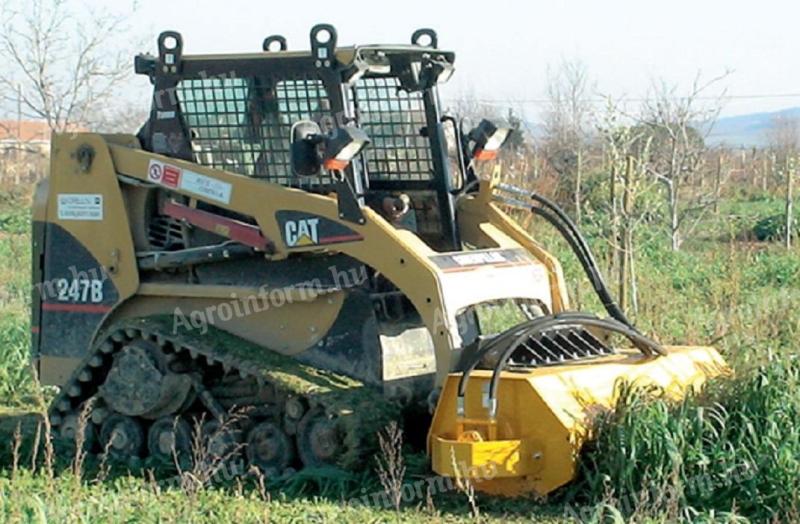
<point>589,266</point>
<point>639,340</point>
<point>519,333</point>
<point>475,358</point>
<point>556,217</point>
<point>513,337</point>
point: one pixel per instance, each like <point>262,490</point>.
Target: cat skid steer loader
<point>302,237</point>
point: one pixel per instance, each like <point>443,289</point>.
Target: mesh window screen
<point>243,124</point>
<point>393,119</point>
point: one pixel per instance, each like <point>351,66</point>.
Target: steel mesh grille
<point>392,119</point>
<point>558,346</point>
<point>243,124</point>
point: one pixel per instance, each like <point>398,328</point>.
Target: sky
<point>504,48</point>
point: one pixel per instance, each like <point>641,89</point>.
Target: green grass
<point>736,447</point>
<point>15,377</point>
<point>731,454</point>
<point>36,498</point>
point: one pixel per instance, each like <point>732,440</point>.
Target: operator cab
<point>238,112</point>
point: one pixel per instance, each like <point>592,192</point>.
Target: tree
<point>567,121</point>
<point>783,134</point>
<point>59,67</point>
<point>630,187</point>
<point>784,140</point>
<point>678,126</point>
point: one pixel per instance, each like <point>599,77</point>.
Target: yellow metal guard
<point>545,414</point>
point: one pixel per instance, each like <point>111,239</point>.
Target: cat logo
<point>301,232</point>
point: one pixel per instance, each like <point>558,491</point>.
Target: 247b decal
<point>79,290</point>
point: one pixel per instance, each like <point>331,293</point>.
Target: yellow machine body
<point>546,414</point>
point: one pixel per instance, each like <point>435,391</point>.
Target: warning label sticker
<point>76,206</point>
<point>206,186</point>
<point>156,172</point>
<point>171,176</point>
<point>177,178</point>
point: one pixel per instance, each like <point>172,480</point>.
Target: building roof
<point>24,131</point>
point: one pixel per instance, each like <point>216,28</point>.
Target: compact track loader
<point>294,250</point>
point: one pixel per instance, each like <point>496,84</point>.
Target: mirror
<point>303,153</point>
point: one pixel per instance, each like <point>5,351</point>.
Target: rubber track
<point>362,409</point>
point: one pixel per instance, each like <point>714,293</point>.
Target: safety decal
<point>475,259</point>
<point>176,178</point>
<point>74,206</point>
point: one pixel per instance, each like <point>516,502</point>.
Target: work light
<point>488,139</point>
<point>342,145</point>
<point>312,149</point>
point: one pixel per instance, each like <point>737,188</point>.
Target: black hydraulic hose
<point>525,327</point>
<point>588,263</point>
<point>609,303</point>
<point>571,226</point>
<point>639,340</point>
<point>512,331</point>
<point>569,230</point>
<point>519,332</point>
<point>619,323</point>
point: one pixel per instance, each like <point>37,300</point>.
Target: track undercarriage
<point>148,391</point>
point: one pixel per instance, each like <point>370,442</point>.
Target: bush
<point>769,228</point>
<point>15,213</point>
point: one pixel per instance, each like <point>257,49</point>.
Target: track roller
<point>222,441</point>
<point>122,436</point>
<point>168,437</point>
<point>269,448</point>
<point>319,439</point>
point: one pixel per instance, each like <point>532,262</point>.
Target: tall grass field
<point>728,454</point>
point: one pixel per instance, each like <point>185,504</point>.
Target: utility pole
<point>718,183</point>
<point>790,168</point>
<point>18,154</point>
<point>625,234</point>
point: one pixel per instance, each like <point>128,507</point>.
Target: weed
<point>390,465</point>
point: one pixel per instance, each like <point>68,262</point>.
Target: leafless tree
<point>627,147</point>
<point>567,122</point>
<point>784,140</point>
<point>678,127</point>
<point>783,134</point>
<point>63,65</point>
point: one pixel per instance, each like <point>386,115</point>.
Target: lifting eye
<point>323,44</point>
<point>425,37</point>
<point>274,43</point>
<point>323,36</point>
<point>170,43</point>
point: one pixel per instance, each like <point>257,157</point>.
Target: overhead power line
<point>622,99</point>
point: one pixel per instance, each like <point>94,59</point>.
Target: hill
<point>748,130</point>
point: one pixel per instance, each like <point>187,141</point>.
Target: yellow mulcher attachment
<point>514,418</point>
<point>531,443</point>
